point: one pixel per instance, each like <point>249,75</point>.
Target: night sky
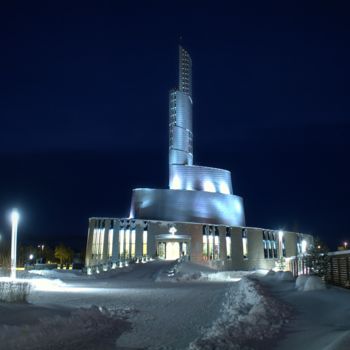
<point>84,109</point>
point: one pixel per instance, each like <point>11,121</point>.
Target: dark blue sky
<point>84,109</point>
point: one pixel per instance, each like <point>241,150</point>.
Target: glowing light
<point>14,220</point>
<point>345,244</point>
<point>176,183</point>
<point>14,217</point>
<point>31,256</point>
<point>280,235</point>
<point>189,187</point>
<point>303,246</point>
<point>208,186</point>
<point>238,207</point>
<point>245,247</point>
<point>144,243</point>
<point>224,188</point>
<point>110,242</point>
<point>172,230</point>
<point>56,285</point>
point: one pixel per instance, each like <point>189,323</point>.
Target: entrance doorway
<point>172,251</point>
<point>172,247</point>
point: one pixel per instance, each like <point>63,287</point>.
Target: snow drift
<point>248,316</point>
<point>14,291</point>
<point>82,330</point>
<point>306,283</point>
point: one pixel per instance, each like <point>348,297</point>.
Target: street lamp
<point>14,221</point>
<point>345,245</point>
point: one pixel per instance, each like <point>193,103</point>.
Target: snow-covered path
<point>163,314</point>
<point>321,318</point>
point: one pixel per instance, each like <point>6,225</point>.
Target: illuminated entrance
<point>172,247</point>
<point>172,250</point>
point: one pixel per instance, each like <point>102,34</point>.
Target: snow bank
<point>286,276</point>
<point>55,274</point>
<point>225,276</point>
<point>271,273</point>
<point>300,281</point>
<point>280,275</point>
<point>14,291</point>
<point>82,330</point>
<point>190,272</point>
<point>313,283</point>
<point>248,316</point>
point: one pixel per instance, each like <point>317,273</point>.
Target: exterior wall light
<point>303,246</point>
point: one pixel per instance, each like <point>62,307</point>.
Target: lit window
<point>269,245</point>
<point>121,243</point>
<point>133,238</point>
<point>205,243</point>
<point>216,244</point>
<point>110,242</point>
<point>94,241</point>
<point>144,242</point>
<point>127,243</point>
<point>97,243</point>
<point>211,247</point>
<point>228,243</point>
<point>299,245</point>
<point>245,243</point>
<point>176,183</point>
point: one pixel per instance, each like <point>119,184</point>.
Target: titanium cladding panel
<point>200,178</point>
<point>187,206</point>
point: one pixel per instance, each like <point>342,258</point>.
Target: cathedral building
<point>198,217</point>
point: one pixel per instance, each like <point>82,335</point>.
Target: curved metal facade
<point>200,178</point>
<point>187,206</point>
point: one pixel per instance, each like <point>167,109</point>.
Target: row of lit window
<point>127,240</point>
<point>211,243</point>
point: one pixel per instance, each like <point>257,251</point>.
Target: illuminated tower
<point>180,114</point>
<point>195,193</point>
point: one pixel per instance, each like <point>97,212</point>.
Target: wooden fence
<point>338,272</point>
<point>339,268</point>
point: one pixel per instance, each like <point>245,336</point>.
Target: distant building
<point>198,217</point>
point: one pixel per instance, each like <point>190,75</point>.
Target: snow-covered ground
<point>320,318</point>
<point>162,305</point>
<point>162,314</point>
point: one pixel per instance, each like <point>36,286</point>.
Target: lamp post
<point>14,221</point>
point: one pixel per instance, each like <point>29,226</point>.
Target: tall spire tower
<point>196,193</point>
<point>180,114</point>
